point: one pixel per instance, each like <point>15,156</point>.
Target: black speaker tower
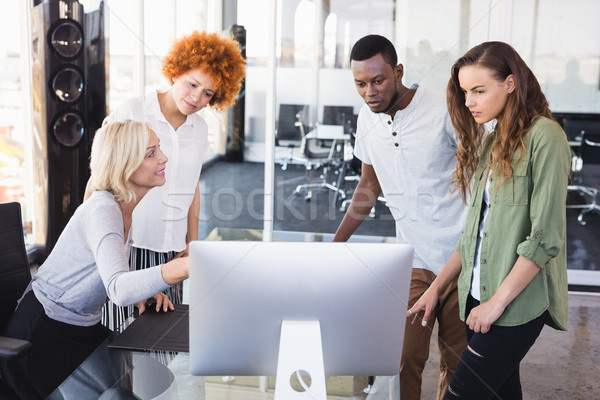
<point>63,127</point>
<point>234,150</point>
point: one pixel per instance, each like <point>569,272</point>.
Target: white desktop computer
<point>274,308</point>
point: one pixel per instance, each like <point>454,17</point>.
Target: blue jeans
<point>489,368</point>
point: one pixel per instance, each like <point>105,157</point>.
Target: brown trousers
<point>451,338</point>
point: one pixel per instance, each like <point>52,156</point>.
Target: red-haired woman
<point>204,69</point>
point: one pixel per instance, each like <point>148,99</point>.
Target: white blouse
<point>160,219</point>
<point>476,279</point>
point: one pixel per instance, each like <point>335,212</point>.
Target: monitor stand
<point>300,353</point>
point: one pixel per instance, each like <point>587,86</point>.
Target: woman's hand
<point>429,299</point>
<point>183,253</point>
<point>176,270</point>
<point>161,300</point>
<point>482,317</point>
<point>425,304</point>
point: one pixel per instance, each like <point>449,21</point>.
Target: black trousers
<point>491,369</point>
<point>57,349</point>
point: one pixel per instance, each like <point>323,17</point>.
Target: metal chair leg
<point>369,389</point>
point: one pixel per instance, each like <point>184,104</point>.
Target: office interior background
<point>297,53</point>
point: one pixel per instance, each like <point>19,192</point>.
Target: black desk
<point>155,375</point>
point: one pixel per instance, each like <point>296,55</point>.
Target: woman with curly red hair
<point>204,69</point>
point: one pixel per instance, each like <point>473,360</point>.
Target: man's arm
<point>363,200</point>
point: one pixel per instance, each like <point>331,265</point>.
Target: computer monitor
<point>241,291</point>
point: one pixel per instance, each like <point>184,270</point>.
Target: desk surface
<point>166,376</point>
<point>328,132</point>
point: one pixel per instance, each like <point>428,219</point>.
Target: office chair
<point>318,157</point>
<point>290,131</point>
<point>583,133</point>
<point>337,115</point>
<point>333,159</point>
<point>351,168</point>
<point>14,278</point>
<point>588,153</point>
<point>329,153</point>
<point>351,163</point>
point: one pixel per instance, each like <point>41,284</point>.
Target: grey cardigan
<point>89,262</point>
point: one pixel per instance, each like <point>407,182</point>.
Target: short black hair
<point>371,45</point>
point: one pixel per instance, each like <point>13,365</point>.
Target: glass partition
<point>559,42</point>
<point>15,163</point>
<point>314,39</point>
<point>312,58</point>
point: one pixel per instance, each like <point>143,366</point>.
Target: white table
<point>330,132</point>
<point>339,139</point>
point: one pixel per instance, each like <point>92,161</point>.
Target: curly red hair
<point>219,57</point>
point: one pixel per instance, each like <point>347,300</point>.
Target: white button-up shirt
<point>413,156</point>
<point>160,219</point>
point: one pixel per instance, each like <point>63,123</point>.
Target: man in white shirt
<point>407,146</point>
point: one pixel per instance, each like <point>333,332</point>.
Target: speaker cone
<point>67,39</point>
<point>67,85</point>
<point>68,128</point>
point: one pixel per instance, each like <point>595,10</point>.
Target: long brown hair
<point>523,106</point>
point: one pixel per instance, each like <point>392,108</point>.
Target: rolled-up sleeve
<point>549,173</point>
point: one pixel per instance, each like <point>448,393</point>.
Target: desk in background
<point>333,162</point>
<point>333,133</point>
<point>328,132</point>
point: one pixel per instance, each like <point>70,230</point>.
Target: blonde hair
<point>117,151</point>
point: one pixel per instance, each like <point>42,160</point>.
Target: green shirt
<point>527,217</point>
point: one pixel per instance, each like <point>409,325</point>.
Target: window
<point>14,103</point>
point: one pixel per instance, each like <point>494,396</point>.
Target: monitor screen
<point>240,292</point>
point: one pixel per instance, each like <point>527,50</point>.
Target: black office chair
<point>353,164</point>
<point>583,133</point>
<point>351,171</point>
<point>337,115</point>
<point>291,123</point>
<point>14,278</point>
<point>323,159</point>
<point>589,153</point>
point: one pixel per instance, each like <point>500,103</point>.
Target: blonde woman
<point>205,70</point>
<point>60,310</point>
